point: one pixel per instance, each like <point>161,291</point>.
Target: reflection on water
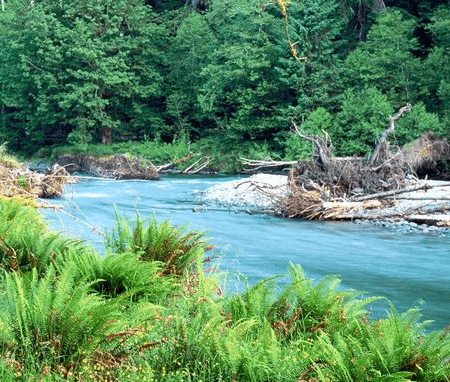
<point>404,267</point>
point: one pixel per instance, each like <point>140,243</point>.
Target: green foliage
<point>435,73</point>
<point>6,157</point>
<point>393,350</point>
<point>297,148</point>
<point>122,274</point>
<point>317,124</point>
<point>225,150</point>
<point>52,317</point>
<point>155,151</point>
<point>223,76</point>
<point>317,28</point>
<point>414,124</point>
<point>385,60</point>
<point>304,329</point>
<point>89,317</point>
<point>189,53</point>
<point>108,52</point>
<point>174,247</point>
<point>439,26</point>
<point>25,242</point>
<point>364,116</point>
<point>22,181</point>
<point>237,84</point>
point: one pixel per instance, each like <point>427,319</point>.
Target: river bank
<point>17,180</point>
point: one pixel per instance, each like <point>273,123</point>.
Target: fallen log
<point>201,164</point>
<point>352,205</point>
<point>164,167</point>
<point>430,219</point>
<point>435,199</point>
<point>378,195</point>
<point>258,164</point>
<point>402,212</point>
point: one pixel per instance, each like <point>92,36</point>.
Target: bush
<point>416,123</point>
<point>318,123</point>
<point>119,274</point>
<point>87,317</point>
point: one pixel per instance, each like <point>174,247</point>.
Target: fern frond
<point>52,316</point>
<point>173,246</point>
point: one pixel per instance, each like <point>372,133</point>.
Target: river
<point>403,267</point>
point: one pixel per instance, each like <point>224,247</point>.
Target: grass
<point>154,151</point>
<point>141,314</point>
<point>6,158</point>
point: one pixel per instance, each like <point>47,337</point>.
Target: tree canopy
<point>242,70</point>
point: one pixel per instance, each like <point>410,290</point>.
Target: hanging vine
<point>282,4</point>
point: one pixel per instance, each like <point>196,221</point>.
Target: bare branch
<point>390,128</point>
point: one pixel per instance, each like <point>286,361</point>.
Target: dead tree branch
<point>382,139</point>
<point>258,164</point>
<point>321,144</point>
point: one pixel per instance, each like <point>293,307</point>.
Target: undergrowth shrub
<point>303,331</point>
<point>148,311</point>
<point>155,151</point>
<point>174,247</point>
<point>396,348</point>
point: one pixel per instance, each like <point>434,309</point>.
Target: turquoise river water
<point>403,267</point>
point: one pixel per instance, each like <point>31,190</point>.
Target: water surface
<point>404,267</point>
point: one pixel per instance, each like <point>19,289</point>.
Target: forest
<point>231,74</point>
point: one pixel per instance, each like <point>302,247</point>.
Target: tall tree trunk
<point>106,136</point>
<point>378,5</point>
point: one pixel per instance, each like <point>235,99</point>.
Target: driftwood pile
<point>198,166</point>
<point>116,167</point>
<point>17,180</point>
<point>429,157</point>
<point>348,188</point>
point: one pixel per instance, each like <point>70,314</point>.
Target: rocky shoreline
<point>260,191</point>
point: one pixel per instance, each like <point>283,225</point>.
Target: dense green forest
<point>228,73</point>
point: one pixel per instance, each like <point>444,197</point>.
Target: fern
<point>173,246</point>
<point>53,317</point>
<point>25,242</point>
<point>255,301</point>
<point>116,274</point>
<point>429,361</point>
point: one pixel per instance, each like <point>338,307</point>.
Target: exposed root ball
<point>119,167</point>
<point>16,180</point>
